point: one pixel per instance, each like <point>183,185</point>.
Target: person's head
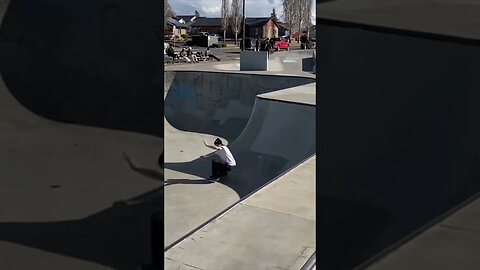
<point>218,142</point>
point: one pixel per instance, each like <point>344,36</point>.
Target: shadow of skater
<point>187,181</point>
<point>150,173</point>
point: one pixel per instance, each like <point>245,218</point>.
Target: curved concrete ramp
<point>278,136</point>
<point>217,103</point>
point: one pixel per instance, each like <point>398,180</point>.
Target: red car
<point>281,44</point>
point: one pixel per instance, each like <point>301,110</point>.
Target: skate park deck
<point>452,243</point>
<point>293,62</point>
<point>253,234</point>
<point>190,200</point>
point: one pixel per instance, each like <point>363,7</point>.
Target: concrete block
<point>253,60</point>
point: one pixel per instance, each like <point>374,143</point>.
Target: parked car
<point>281,44</point>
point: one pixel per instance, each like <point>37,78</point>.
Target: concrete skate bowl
<point>282,61</point>
<point>216,102</point>
<point>267,137</point>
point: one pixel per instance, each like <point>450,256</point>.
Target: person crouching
<point>225,161</point>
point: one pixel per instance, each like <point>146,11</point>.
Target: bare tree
<point>224,18</point>
<point>289,14</point>
<point>236,18</point>
<point>297,14</point>
<point>308,16</point>
<point>168,12</point>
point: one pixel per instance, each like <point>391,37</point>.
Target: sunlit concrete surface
<point>272,229</point>
<point>243,108</point>
<point>451,244</point>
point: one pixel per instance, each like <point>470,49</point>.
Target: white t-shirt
<point>226,156</point>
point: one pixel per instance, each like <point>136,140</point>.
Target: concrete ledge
<point>253,61</point>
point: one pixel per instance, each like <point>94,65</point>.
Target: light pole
<point>243,32</point>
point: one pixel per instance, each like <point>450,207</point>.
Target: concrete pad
<point>467,218</point>
<point>17,257</point>
<point>210,104</point>
<point>174,265</point>
<point>253,60</point>
<point>285,63</point>
<point>248,237</point>
<point>451,244</point>
<point>189,205</point>
<point>438,248</point>
<point>305,94</point>
<point>293,194</point>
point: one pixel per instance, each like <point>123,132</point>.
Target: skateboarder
<point>226,161</point>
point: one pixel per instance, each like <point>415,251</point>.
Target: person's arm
<point>211,146</point>
<point>211,154</point>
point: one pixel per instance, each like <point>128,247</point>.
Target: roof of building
<point>186,18</point>
<point>176,23</point>
<point>451,18</point>
<point>205,22</point>
<point>256,21</point>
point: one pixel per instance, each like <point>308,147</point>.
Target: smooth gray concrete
<point>281,62</point>
<point>19,257</point>
<point>68,198</point>
<point>285,63</point>
<point>305,94</point>
<point>190,199</point>
<point>451,244</point>
<point>400,143</point>
<point>457,18</point>
<point>272,229</point>
<point>253,60</point>
<point>218,103</point>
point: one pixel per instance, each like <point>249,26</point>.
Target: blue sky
<point>211,8</point>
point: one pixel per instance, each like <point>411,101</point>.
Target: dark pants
<point>219,168</point>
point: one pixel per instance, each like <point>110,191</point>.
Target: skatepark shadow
<point>185,181</point>
<point>119,237</point>
<point>150,173</point>
<point>252,171</point>
<point>347,230</point>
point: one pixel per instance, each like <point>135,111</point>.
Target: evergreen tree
<point>273,15</point>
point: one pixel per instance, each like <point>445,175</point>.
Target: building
<point>210,25</point>
<point>175,27</point>
<point>261,27</point>
<point>283,29</point>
